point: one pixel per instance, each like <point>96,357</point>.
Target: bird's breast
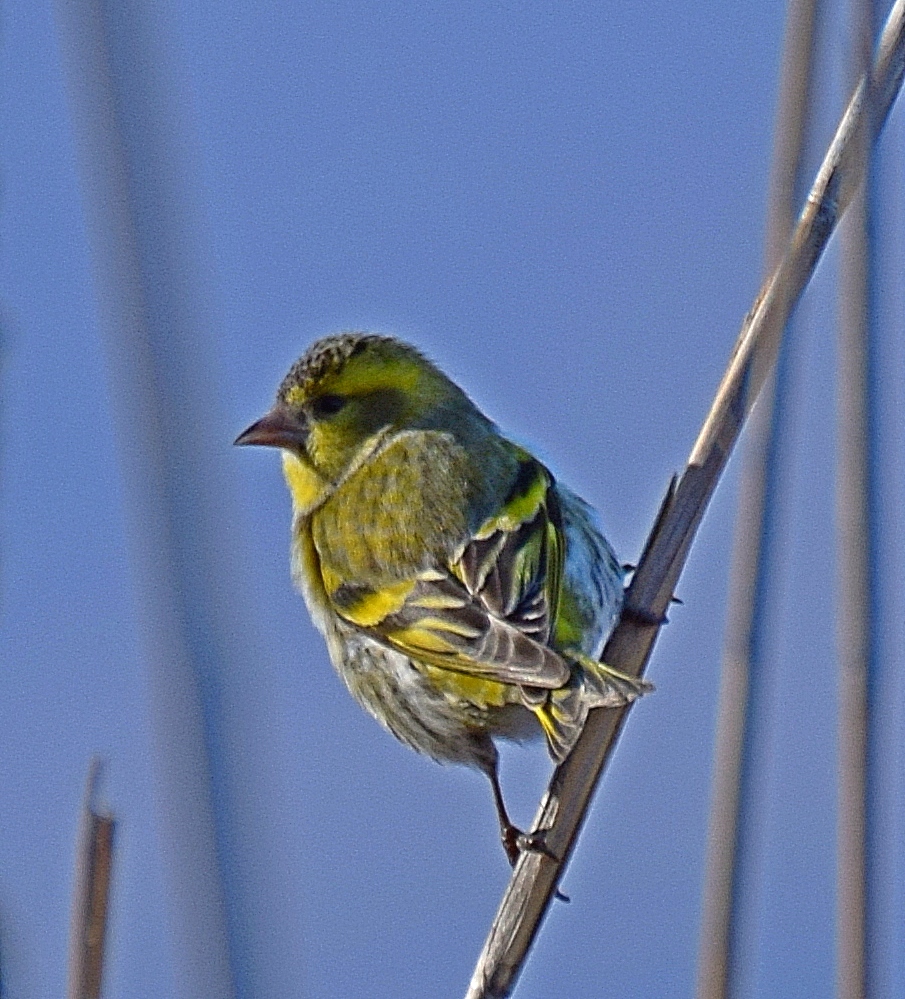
<point>403,511</point>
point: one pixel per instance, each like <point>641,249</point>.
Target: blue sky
<point>563,206</point>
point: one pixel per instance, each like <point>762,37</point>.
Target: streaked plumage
<point>462,591</point>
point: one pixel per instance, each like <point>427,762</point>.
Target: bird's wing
<point>490,611</point>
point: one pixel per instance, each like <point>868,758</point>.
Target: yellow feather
<point>439,601</point>
<point>546,723</point>
<point>452,626</point>
<point>517,510</point>
<point>371,608</point>
<point>483,693</point>
<point>417,640</point>
<point>305,485</point>
<point>406,375</point>
<point>296,395</point>
<point>332,580</point>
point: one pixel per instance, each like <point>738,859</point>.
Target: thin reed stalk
<point>743,723</point>
<point>564,805</point>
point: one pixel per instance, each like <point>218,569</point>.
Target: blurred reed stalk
<point>155,329</point>
<point>563,808</point>
<point>734,837</point>
<point>94,863</point>
<point>858,881</point>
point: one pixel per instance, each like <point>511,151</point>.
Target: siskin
<point>463,592</point>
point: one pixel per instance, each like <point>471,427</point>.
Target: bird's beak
<point>278,428</point>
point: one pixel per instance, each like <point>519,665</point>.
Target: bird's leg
<point>514,840</point>
<point>509,834</point>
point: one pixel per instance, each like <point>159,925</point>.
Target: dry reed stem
<point>566,800</point>
<point>91,895</point>
<point>732,838</point>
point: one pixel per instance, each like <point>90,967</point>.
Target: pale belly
<point>450,718</point>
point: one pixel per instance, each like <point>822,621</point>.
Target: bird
<point>464,593</point>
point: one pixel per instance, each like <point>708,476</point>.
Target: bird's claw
<point>511,838</point>
<point>535,843</point>
<point>516,842</point>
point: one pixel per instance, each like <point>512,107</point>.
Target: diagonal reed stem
<point>566,800</point>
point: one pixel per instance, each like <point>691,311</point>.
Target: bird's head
<point>341,399</point>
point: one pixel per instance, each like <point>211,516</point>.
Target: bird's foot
<point>535,843</point>
<point>511,837</point>
<point>516,842</point>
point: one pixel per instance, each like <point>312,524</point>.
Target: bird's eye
<point>327,405</point>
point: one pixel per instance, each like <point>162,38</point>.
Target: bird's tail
<point>563,712</point>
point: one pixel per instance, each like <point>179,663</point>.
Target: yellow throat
<point>307,487</point>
